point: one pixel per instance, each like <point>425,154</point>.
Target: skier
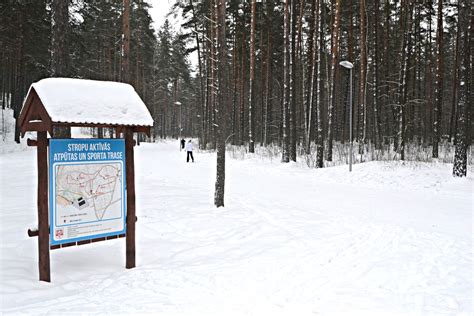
<point>183,142</point>
<point>189,150</point>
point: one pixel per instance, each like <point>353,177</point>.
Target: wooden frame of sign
<point>34,117</point>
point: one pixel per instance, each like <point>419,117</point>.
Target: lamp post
<point>177,103</point>
<point>349,65</point>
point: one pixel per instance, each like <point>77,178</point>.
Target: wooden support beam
<point>68,244</point>
<point>34,233</point>
<point>32,142</point>
<point>43,229</point>
<point>143,129</point>
<point>85,242</point>
<point>98,239</point>
<point>130,221</point>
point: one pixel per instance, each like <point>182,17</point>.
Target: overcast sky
<point>158,11</point>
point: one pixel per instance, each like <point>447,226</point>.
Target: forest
<point>265,73</point>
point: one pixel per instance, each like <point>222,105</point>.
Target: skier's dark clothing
<point>182,143</point>
<point>190,153</point>
<point>189,150</point>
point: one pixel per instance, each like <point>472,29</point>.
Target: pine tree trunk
<point>453,117</point>
<point>235,80</point>
<point>268,73</point>
<point>222,104</point>
<point>18,67</point>
<point>126,41</point>
<point>59,51</point>
<point>439,81</point>
<point>319,121</point>
<point>376,58</point>
<point>405,56</point>
<point>200,74</point>
<point>292,90</point>
<point>314,70</point>
<point>389,109</point>
<point>286,83</point>
<point>334,59</point>
<point>350,56</point>
<point>463,137</point>
<point>308,125</point>
<point>242,93</point>
<point>429,80</point>
<point>252,81</point>
<point>362,77</point>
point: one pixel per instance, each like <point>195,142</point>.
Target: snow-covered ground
<point>387,239</point>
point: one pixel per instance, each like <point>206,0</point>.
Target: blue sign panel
<point>86,189</point>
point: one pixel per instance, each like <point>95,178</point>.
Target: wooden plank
<point>34,127</point>
<point>143,129</point>
<point>98,239</point>
<point>31,142</point>
<point>84,242</point>
<point>32,232</point>
<point>43,229</point>
<point>68,244</point>
<point>38,104</point>
<point>130,178</point>
<point>33,116</point>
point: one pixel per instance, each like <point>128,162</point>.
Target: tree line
<point>287,86</point>
<point>268,72</point>
<point>86,39</point>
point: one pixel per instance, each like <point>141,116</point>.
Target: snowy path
<point>388,239</point>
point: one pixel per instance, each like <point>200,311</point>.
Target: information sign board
<point>86,189</point>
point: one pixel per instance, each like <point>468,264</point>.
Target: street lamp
<point>349,65</point>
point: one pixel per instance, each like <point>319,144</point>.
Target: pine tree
<point>286,84</point>
<point>463,137</point>
<point>126,41</point>
<point>332,79</point>
<point>439,80</point>
<point>252,80</point>
<point>320,40</point>
<point>59,50</point>
<point>222,104</point>
<point>362,78</point>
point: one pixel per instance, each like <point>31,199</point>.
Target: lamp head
<point>346,64</point>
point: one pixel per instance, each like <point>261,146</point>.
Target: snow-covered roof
<point>80,101</point>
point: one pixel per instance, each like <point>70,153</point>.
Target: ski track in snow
<point>387,239</point>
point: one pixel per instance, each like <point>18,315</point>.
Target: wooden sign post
<point>130,242</point>
<point>59,230</point>
<point>43,229</point>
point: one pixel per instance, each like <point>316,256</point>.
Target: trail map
<point>92,190</point>
<point>87,189</point>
